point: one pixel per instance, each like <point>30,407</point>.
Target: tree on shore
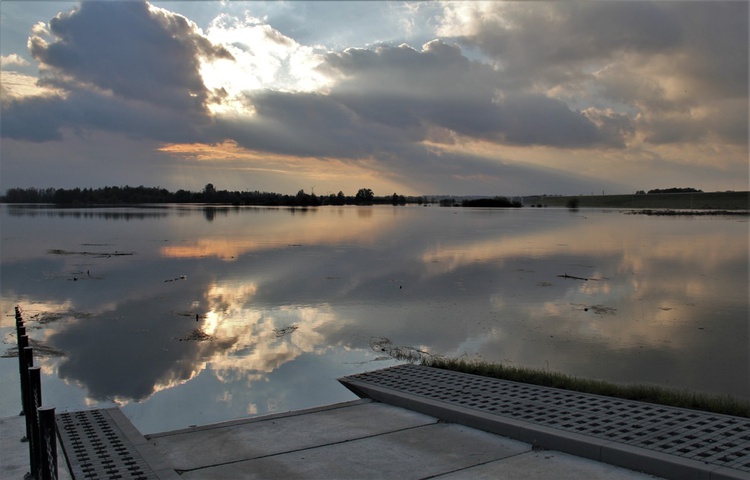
<point>209,195</point>
<point>675,190</point>
<point>364,196</point>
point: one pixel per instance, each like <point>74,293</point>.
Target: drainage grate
<point>96,447</point>
<point>715,439</point>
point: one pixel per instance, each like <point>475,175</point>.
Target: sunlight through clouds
<point>329,174</point>
<point>263,59</point>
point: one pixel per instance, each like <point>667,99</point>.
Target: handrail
<point>41,429</point>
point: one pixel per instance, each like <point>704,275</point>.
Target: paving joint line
<point>470,467</point>
<point>312,447</point>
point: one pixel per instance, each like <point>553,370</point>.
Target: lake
<point>187,315</point>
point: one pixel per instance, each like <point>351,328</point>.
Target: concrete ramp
<point>664,441</point>
<point>364,440</point>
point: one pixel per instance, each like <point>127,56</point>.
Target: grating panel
<point>96,447</point>
<point>715,439</point>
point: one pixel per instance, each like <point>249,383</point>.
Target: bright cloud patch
<point>263,59</point>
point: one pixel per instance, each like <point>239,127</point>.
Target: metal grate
<point>714,439</point>
<point>96,447</point>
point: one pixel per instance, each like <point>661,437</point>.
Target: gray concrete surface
<point>668,442</point>
<point>14,454</point>
<point>363,440</point>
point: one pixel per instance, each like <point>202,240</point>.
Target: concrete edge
<point>605,451</point>
<point>260,418</point>
<point>153,458</point>
<point>656,463</point>
<point>729,474</point>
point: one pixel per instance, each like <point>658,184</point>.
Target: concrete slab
<point>412,453</point>
<point>364,440</point>
<point>14,454</point>
<point>544,464</point>
<point>222,443</point>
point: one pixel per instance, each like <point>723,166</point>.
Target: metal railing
<point>41,429</point>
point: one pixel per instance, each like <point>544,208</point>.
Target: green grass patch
<point>722,404</point>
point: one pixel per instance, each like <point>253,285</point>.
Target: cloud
<point>672,65</point>
<point>12,60</point>
<point>42,118</point>
<point>264,58</point>
<point>540,44</point>
<point>440,86</point>
<point>122,67</point>
<point>390,99</point>
<point>129,49</point>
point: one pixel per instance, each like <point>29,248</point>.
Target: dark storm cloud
<point>552,42</point>
<point>120,67</point>
<point>714,47</point>
<point>42,118</point>
<point>390,97</point>
<point>668,61</point>
<point>304,124</point>
<point>130,49</point>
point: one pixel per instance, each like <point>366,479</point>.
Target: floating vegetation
<point>602,310</point>
<point>196,316</point>
<point>44,318</point>
<point>197,336</point>
<point>47,317</point>
<point>181,277</point>
<point>116,253</point>
<point>40,350</point>
<point>409,354</point>
<point>597,309</point>
<point>565,275</point>
<point>280,332</point>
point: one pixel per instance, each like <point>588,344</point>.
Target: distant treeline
<point>141,195</point>
<point>670,190</point>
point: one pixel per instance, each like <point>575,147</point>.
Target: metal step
<point>103,444</point>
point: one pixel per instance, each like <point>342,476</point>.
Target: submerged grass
<point>721,404</point>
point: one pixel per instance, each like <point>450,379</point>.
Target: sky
<point>415,98</point>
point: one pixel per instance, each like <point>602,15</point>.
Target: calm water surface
<point>191,315</point>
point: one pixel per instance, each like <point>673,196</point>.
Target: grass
<point>721,404</point>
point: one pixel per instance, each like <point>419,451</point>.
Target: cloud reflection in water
<point>286,301</point>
